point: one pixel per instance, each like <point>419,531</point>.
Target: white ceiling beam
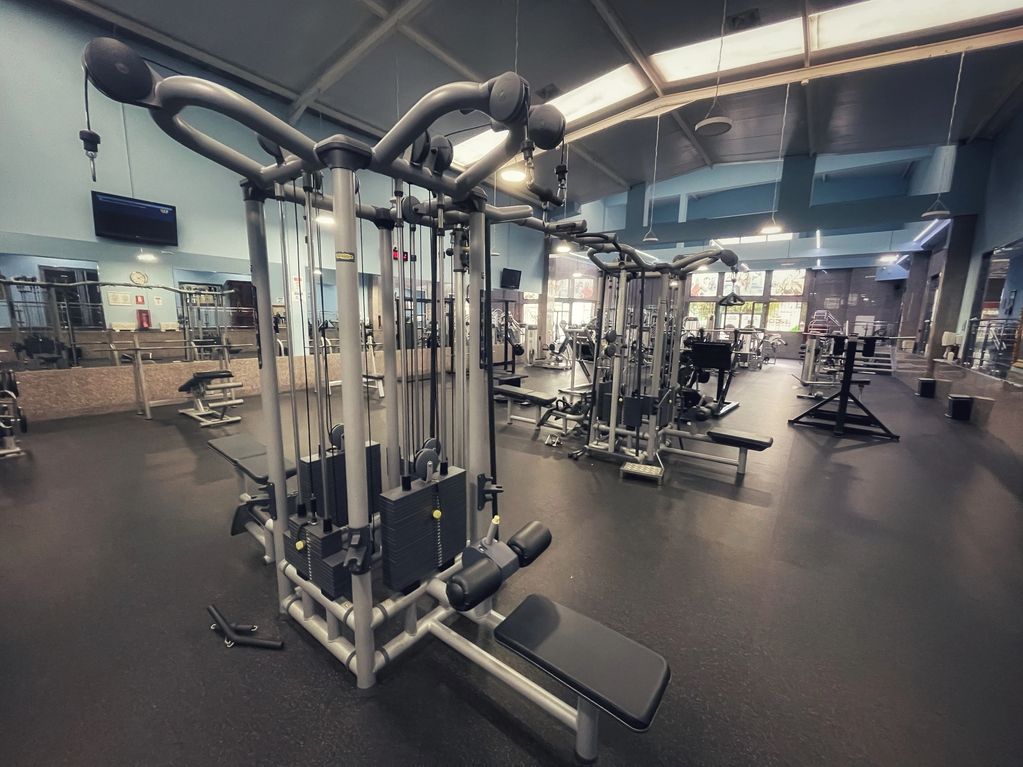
<point>353,55</point>
<point>617,28</point>
<point>426,43</point>
<point>99,13</point>
<point>811,131</point>
<point>668,102</point>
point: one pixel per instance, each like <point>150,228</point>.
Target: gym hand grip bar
<point>239,633</point>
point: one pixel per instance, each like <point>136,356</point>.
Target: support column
<point>343,156</point>
<point>388,331</point>
<point>269,396</point>
<point>478,430</point>
<point>951,287</point>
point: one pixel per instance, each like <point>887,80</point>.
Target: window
<point>703,311</point>
<point>750,283</point>
<point>584,288</point>
<point>703,284</point>
<point>785,316</point>
<point>582,312</point>
<point>750,314</point>
<point>788,282</point>
<point>561,288</point>
<point>530,314</point>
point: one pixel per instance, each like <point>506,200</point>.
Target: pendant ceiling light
<point>772,227</point>
<point>938,209</point>
<point>650,236</point>
<point>716,124</point>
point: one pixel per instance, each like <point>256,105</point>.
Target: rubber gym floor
<point>849,603</point>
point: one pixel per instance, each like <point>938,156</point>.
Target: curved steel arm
<point>437,103</point>
<point>489,163</point>
<point>174,94</point>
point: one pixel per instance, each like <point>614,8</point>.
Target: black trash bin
<point>959,407</point>
<point>926,387</point>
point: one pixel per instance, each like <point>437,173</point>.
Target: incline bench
<point>211,411</point>
<point>607,671</point>
<point>248,457</point>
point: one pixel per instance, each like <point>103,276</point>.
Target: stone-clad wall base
<point>52,394</point>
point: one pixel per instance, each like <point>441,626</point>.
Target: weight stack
<point>310,476</point>
<point>415,545</point>
<point>321,558</point>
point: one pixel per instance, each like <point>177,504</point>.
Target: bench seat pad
<point>736,438</point>
<point>615,673</point>
<point>546,399</point>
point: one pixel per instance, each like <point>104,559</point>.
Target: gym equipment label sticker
<point>344,255</point>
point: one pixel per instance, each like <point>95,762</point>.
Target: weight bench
<point>211,410</point>
<point>744,441</point>
<point>508,378</point>
<point>531,397</point>
<point>248,457</point>
<point>607,671</point>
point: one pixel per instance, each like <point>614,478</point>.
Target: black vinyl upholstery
<point>617,674</point>
<point>519,394</point>
<point>744,439</point>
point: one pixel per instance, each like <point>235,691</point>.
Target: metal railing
<point>990,346</point>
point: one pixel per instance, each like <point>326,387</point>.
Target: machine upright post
<point>458,344</point>
<point>616,364</point>
<point>350,341</point>
<point>656,368</point>
<point>255,227</point>
<point>388,327</point>
<point>478,431</point>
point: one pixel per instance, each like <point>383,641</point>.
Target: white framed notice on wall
<point>118,298</point>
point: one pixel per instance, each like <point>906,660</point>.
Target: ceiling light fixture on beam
<point>617,28</point>
<point>873,20</point>
<point>672,101</point>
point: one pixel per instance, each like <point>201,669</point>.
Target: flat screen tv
<point>510,279</point>
<point>125,218</point>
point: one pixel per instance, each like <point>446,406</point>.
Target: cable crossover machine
<point>404,539</point>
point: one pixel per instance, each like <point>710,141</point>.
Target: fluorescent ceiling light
<point>325,219</point>
<point>563,247</point>
<point>617,85</point>
<point>742,49</point>
<point>877,19</point>
<point>931,229</point>
<point>469,151</point>
<point>600,93</point>
<point>889,258</point>
<point>515,175</point>
<point>818,239</point>
<point>701,268</point>
<point>146,257</point>
<point>577,275</point>
<point>771,228</point>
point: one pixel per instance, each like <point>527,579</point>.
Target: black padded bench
<point>248,457</point>
<point>606,670</point>
<point>531,397</point>
<point>211,411</point>
<point>743,440</point>
<point>509,378</point>
<point>203,378</point>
